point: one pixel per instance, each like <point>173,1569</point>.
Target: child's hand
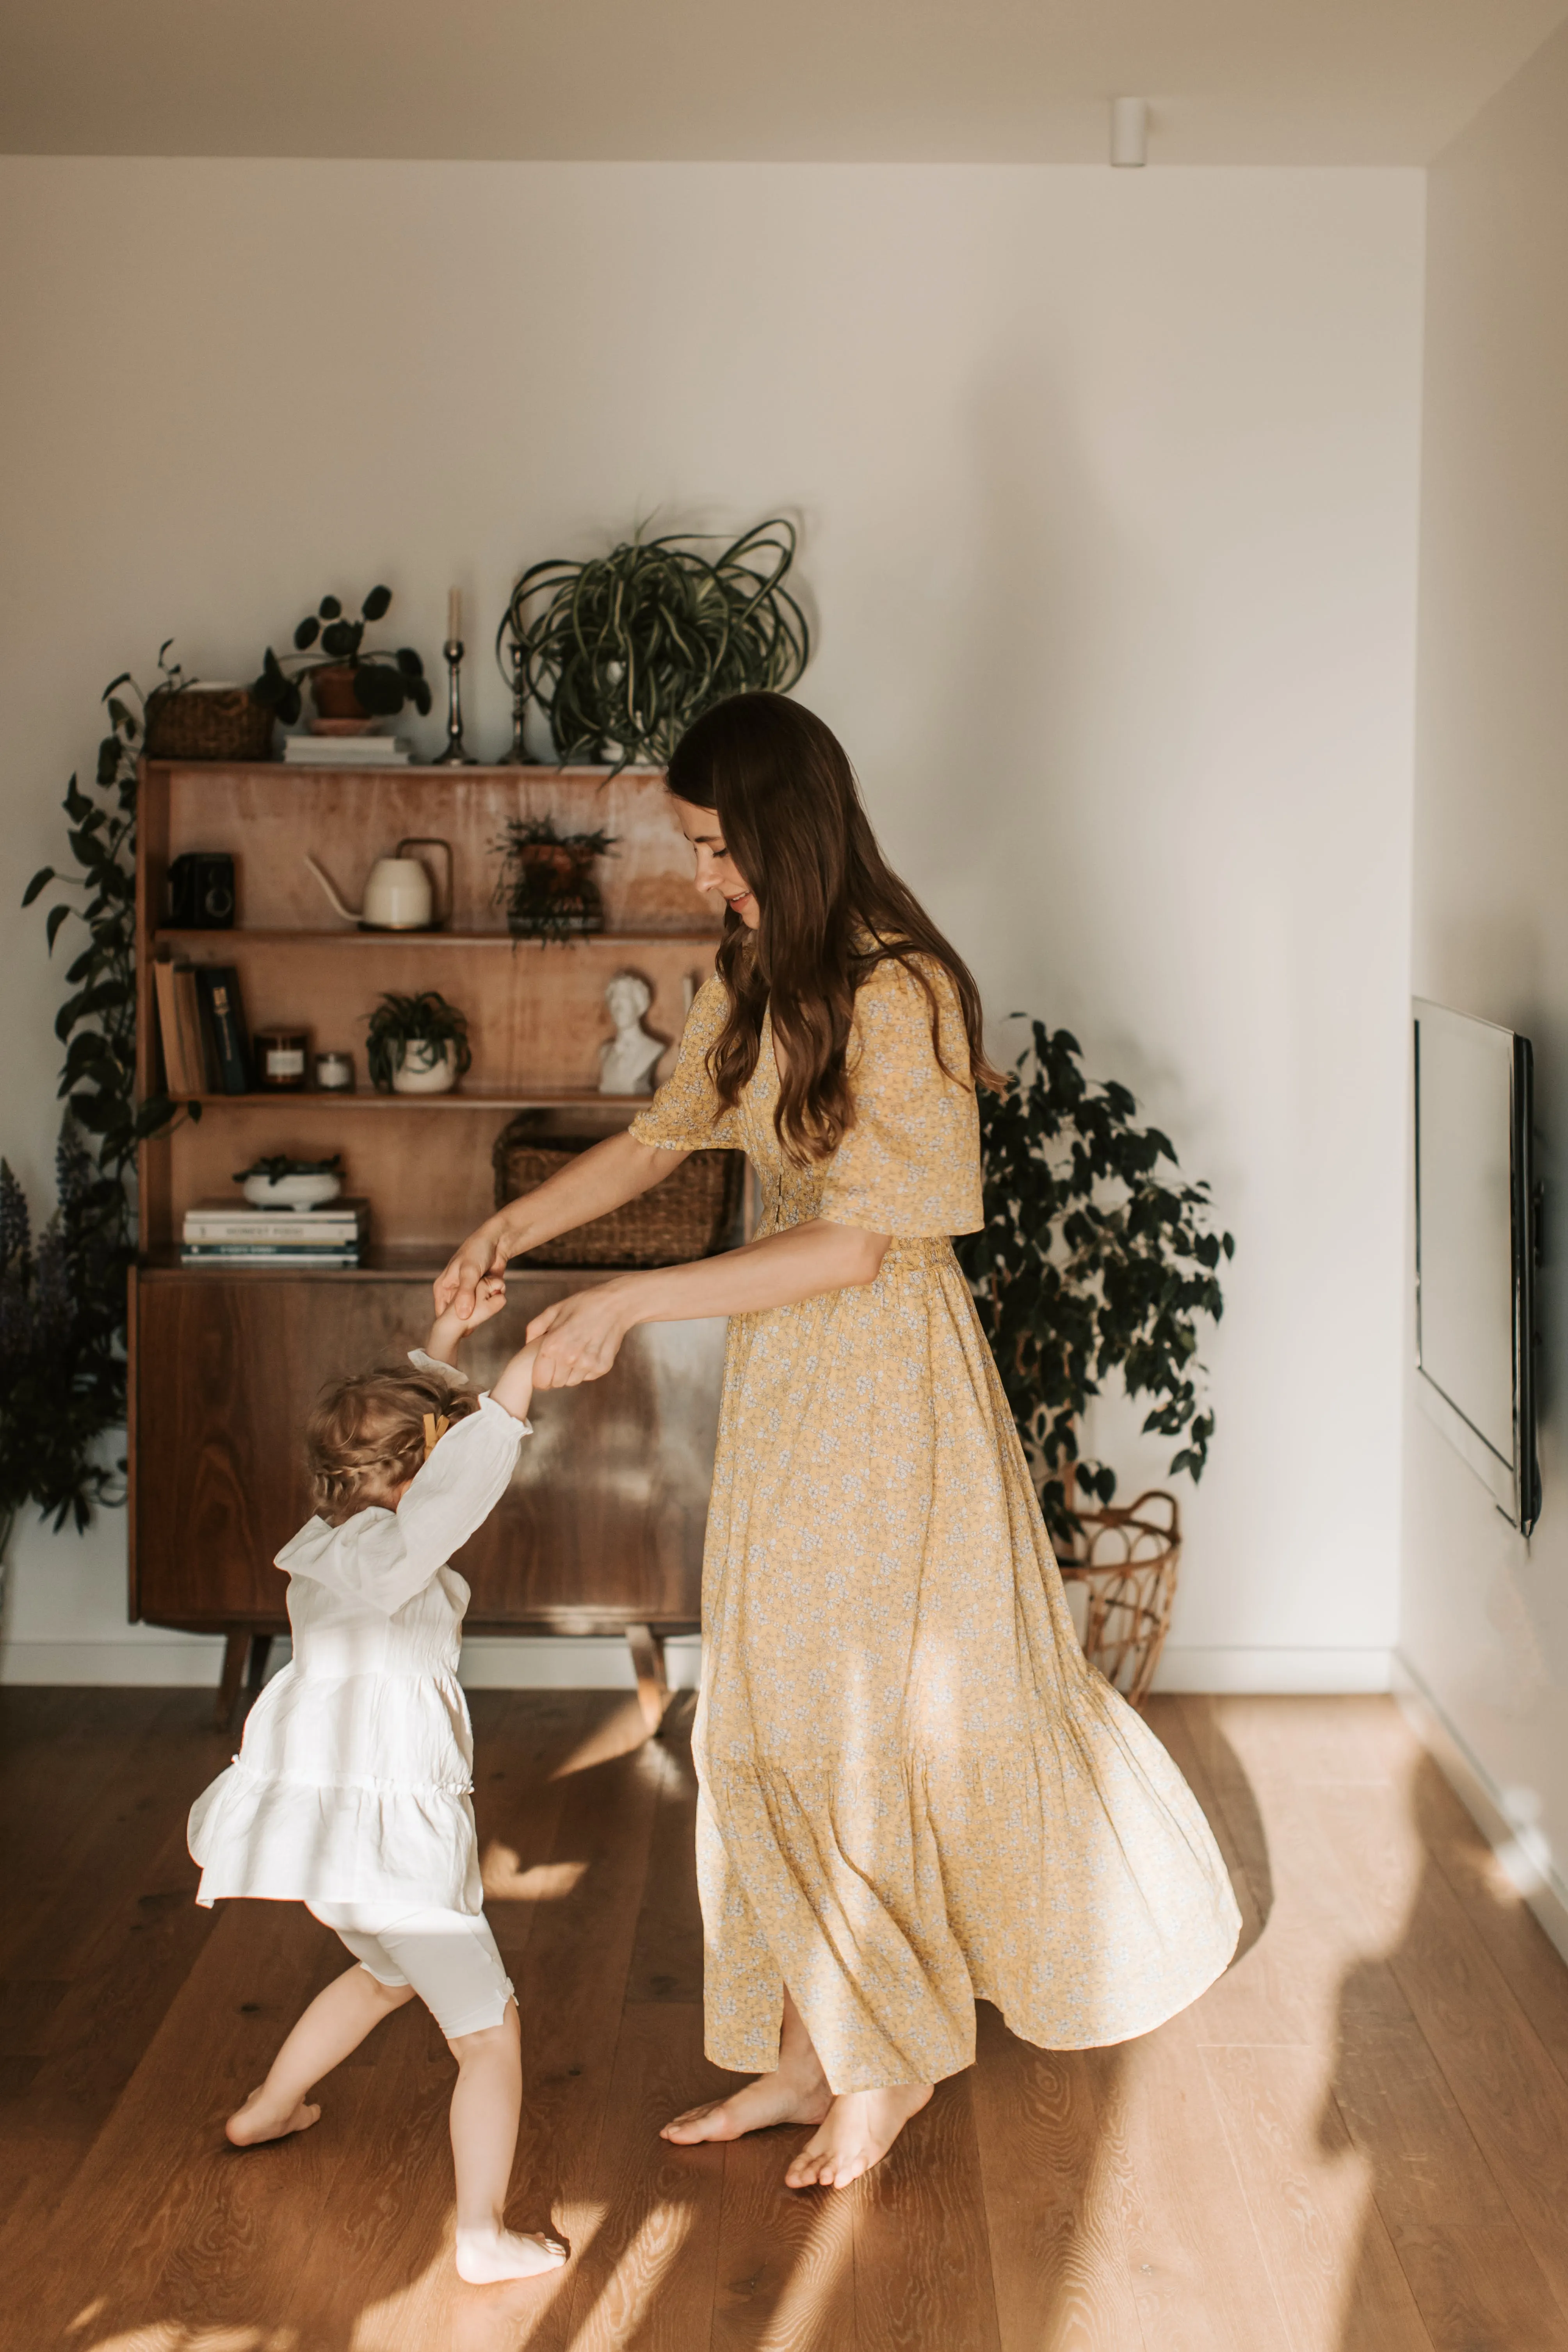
<point>449,1329</point>
<point>514,1388</point>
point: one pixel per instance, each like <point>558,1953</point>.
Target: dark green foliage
<point>384,680</point>
<point>398,1020</point>
<point>1089,1263</point>
<point>545,884</point>
<point>628,648</point>
<point>62,1315</point>
<point>74,1287</point>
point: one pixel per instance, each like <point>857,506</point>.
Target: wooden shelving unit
<point>602,1528</point>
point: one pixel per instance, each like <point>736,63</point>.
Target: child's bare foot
<point>860,2128</point>
<point>793,2095</point>
<point>486,2256</point>
<point>254,2122</point>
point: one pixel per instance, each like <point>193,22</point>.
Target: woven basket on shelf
<point>1128,1565</point>
<point>208,722</point>
<point>691,1214</point>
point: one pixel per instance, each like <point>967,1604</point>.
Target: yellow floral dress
<point>915,1792</point>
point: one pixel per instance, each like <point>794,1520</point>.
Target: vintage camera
<point>201,891</point>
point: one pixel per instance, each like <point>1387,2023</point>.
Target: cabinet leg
<point>260,1651</point>
<point>653,1689</point>
<point>236,1653</point>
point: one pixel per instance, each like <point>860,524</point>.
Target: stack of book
<point>346,751</point>
<point>201,1022</point>
<point>231,1233</point>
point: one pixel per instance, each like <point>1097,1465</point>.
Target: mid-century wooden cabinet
<point>602,1529</point>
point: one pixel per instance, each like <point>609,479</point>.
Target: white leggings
<point>449,1957</point>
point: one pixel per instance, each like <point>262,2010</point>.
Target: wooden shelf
<point>241,935</point>
<point>383,1262</point>
<point>282,1098</point>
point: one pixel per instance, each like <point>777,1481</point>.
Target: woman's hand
<point>579,1338</point>
<point>449,1330</point>
<point>484,1254</point>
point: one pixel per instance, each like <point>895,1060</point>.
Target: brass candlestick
<point>455,755</point>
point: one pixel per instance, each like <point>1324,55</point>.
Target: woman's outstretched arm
<point>615,1171</point>
<point>580,1336</point>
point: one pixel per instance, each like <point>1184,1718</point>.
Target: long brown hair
<point>832,910</point>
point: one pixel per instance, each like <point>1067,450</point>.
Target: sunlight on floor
<point>622,1730</point>
<point>545,1882</point>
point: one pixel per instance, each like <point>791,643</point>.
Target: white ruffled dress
<point>354,1778</point>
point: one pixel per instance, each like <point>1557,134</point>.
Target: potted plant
<point>276,1181</point>
<point>622,651</point>
<point>417,1044</point>
<point>545,884</point>
<point>1092,1264</point>
<point>351,687</point>
<point>62,1362</point>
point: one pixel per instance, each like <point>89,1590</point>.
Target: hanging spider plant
<point>622,651</point>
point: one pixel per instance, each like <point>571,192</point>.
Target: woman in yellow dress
<point>914,1791</point>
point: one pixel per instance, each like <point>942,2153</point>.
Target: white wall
<point>1108,485</point>
<point>1485,1614</point>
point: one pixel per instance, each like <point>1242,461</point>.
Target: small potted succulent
<point>350,688</point>
<point>276,1182</point>
<point>544,884</point>
<point>417,1044</point>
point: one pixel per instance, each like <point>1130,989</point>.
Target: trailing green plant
<point>383,680</point>
<point>545,884</point>
<point>425,1019</point>
<point>97,1023</point>
<point>1091,1261</point>
<point>62,1368</point>
<point>622,651</point>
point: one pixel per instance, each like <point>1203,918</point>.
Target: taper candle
<point>454,616</point>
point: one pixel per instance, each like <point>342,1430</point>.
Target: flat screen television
<point>1476,1249</point>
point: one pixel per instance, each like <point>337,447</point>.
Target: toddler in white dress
<point>351,1789</point>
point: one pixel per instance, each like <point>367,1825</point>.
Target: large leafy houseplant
<point>63,1366</point>
<point>1091,1261</point>
<point>622,651</point>
<point>63,1302</point>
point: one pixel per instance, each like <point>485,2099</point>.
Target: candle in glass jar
<point>454,616</point>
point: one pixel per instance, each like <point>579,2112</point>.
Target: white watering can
<point>398,894</point>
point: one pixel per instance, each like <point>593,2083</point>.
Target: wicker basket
<point>1128,1565</point>
<point>691,1214</point>
<point>208,722</point>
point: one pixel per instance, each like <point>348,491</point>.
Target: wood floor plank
<point>922,2254</point>
<point>784,2271</point>
<point>667,1959</point>
<point>1047,2125</point>
<point>644,2280</point>
<point>1198,2276</point>
<point>1311,2205</point>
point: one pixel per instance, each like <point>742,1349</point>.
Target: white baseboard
<point>185,1661</point>
<point>176,1662</point>
<point>1523,1853</point>
<point>1257,1672</point>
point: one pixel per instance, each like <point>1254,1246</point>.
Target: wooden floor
<point>1357,2142</point>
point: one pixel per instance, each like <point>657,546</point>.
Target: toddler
<point>351,1789</point>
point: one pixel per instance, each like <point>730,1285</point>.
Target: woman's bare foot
<point>487,2256</point>
<point>860,2128</point>
<point>254,2122</point>
<point>799,2096</point>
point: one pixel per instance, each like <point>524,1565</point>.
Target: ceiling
<point>1230,81</point>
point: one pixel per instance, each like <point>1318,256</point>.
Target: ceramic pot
<point>332,692</point>
<point>292,1191</point>
<point>426,1065</point>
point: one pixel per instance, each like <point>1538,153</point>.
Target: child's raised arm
<point>448,1331</point>
<point>513,1387</point>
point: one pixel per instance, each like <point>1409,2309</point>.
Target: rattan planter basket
<point>1127,1562</point>
<point>691,1214</point>
<point>208,722</point>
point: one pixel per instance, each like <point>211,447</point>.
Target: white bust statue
<point>628,1060</point>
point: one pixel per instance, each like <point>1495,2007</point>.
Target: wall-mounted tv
<point>1476,1249</point>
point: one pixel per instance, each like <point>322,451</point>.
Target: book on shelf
<point>180,1028</point>
<point>335,1225</point>
<point>226,1046</point>
<point>266,1254</point>
<point>347,751</point>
